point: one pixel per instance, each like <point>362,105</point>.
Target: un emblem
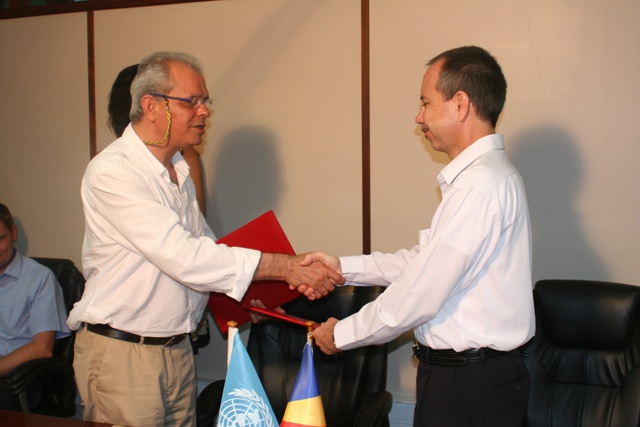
<point>246,409</point>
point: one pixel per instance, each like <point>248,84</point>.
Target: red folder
<point>266,235</point>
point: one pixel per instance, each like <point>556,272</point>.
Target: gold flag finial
<point>310,326</point>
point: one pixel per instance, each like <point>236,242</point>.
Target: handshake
<point>313,274</point>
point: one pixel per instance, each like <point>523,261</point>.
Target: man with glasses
<point>150,259</point>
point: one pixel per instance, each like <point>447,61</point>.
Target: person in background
<point>466,287</point>
<point>150,259</point>
<point>32,311</point>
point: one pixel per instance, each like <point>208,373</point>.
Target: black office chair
<point>584,360</point>
<point>352,383</point>
<point>56,386</point>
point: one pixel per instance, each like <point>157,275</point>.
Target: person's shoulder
<point>34,267</point>
<point>116,158</point>
<point>486,172</point>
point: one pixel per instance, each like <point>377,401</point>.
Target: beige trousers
<point>139,385</point>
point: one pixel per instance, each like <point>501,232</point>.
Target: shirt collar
<point>15,268</point>
<point>469,155</point>
<point>179,163</point>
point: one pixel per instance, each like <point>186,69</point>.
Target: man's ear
<point>149,107</point>
<point>14,233</point>
<point>462,104</point>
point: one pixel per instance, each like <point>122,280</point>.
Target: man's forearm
<point>41,346</point>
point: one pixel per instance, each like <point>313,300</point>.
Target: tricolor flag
<point>305,404</point>
<point>244,401</point>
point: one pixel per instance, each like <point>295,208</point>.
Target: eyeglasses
<point>194,102</point>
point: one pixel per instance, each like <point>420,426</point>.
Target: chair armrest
<point>208,404</point>
<point>374,411</point>
<point>21,376</point>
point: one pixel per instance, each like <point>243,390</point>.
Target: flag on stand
<point>305,404</point>
<point>244,401</point>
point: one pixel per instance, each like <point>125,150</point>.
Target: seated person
<point>32,312</point>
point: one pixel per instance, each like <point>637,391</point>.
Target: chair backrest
<point>584,360</point>
<point>345,380</point>
<point>72,283</point>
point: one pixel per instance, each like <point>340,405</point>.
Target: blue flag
<point>244,401</point>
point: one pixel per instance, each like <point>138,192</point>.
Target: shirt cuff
<point>343,335</point>
<point>247,261</point>
<point>352,264</point>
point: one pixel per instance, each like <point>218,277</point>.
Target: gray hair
<point>154,76</point>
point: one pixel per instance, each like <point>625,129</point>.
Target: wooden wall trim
<point>366,131</point>
<point>19,9</point>
<point>91,62</point>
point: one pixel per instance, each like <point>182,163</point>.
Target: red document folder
<point>266,235</point>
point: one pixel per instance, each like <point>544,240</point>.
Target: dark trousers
<point>492,392</point>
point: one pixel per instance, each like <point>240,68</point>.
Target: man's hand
<point>314,280</point>
<point>331,261</point>
<point>256,317</point>
<point>320,259</point>
<point>323,336</point>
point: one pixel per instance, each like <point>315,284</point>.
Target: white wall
<point>44,129</point>
<point>284,75</point>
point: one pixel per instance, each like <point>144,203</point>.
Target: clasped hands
<point>323,335</point>
<point>316,274</point>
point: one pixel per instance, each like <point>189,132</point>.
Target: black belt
<point>110,332</point>
<point>451,357</point>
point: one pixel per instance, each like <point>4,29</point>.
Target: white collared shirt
<point>149,257</point>
<point>467,283</point>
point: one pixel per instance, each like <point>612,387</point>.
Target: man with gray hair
<point>150,259</point>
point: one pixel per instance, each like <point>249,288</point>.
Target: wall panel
<point>44,130</point>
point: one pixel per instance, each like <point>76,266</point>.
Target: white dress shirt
<point>467,283</point>
<point>149,257</point>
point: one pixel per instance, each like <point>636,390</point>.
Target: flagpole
<point>280,316</point>
<point>232,333</point>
